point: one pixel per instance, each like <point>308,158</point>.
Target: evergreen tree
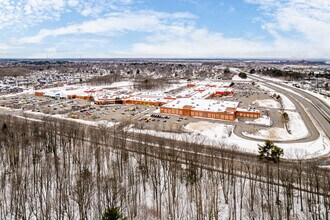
<point>242,75</point>
<point>270,151</point>
<point>112,213</point>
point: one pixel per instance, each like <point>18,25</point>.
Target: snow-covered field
<point>296,125</point>
<point>267,103</point>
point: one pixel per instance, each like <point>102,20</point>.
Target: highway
<point>317,108</point>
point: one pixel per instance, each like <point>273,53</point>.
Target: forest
<point>53,169</point>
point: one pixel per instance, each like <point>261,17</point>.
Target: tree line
<point>53,169</point>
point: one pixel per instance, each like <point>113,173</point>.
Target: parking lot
<point>141,116</point>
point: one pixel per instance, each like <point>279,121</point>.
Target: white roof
<point>247,110</point>
<point>202,104</point>
<point>148,99</point>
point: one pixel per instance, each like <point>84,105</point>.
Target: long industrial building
<point>207,108</point>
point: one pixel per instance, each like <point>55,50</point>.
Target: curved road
<point>302,100</point>
<point>313,131</point>
<point>319,109</point>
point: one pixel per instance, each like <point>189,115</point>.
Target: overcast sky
<point>294,29</point>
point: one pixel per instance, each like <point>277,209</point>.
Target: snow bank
<point>267,103</point>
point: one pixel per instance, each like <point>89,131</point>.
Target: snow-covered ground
<point>264,120</point>
<point>219,135</point>
<point>267,78</point>
<point>267,103</point>
<point>237,78</point>
<point>286,102</point>
<point>93,123</point>
<point>197,132</point>
<point>296,125</point>
<point>319,147</point>
<point>122,84</point>
<point>28,91</point>
<point>265,88</point>
<point>157,111</point>
<point>211,130</point>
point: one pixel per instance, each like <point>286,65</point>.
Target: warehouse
<point>225,110</point>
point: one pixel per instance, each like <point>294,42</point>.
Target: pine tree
<point>270,151</point>
<point>112,213</point>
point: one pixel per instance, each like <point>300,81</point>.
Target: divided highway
<point>317,108</point>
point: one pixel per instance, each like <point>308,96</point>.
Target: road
<point>318,109</point>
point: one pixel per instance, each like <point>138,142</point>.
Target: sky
<point>289,29</point>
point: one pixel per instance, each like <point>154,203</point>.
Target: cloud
<point>25,13</point>
<point>168,35</point>
<point>116,23</point>
<point>176,35</point>
<point>303,23</point>
<point>300,29</point>
<point>22,13</point>
<point>231,9</point>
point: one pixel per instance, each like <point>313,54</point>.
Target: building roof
<point>202,104</point>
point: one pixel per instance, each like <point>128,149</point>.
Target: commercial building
<point>192,100</point>
<point>225,110</point>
